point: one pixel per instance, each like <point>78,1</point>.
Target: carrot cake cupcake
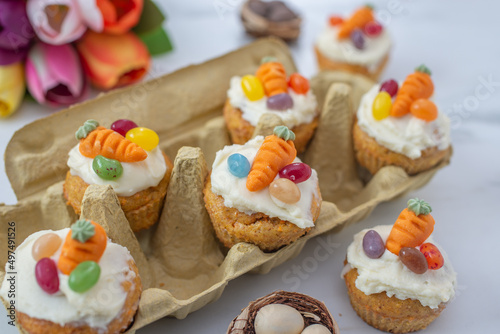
<point>357,44</point>
<point>398,279</point>
<point>401,126</point>
<point>74,280</point>
<point>270,91</point>
<point>284,312</point>
<point>128,158</point>
<point>261,193</point>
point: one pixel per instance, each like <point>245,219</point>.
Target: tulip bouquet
<point>57,48</point>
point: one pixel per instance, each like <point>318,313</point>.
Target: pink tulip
<point>54,75</point>
<point>113,60</point>
<point>63,21</point>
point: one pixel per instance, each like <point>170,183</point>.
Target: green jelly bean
<point>107,169</point>
<point>84,276</point>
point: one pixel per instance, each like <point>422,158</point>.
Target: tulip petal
<point>54,74</point>
<point>119,15</point>
<point>12,88</point>
<point>64,66</point>
<point>17,31</point>
<point>45,20</point>
<point>113,60</point>
<point>8,57</point>
<point>91,14</point>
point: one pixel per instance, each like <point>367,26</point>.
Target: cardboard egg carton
<point>182,265</point>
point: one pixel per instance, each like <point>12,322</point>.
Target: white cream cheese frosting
<point>388,274</point>
<point>136,176</point>
<point>303,111</point>
<point>96,307</point>
<point>236,195</point>
<point>407,135</point>
<point>343,50</point>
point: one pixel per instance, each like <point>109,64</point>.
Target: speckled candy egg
<point>316,329</point>
<point>278,319</point>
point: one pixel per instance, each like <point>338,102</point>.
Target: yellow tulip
<point>12,88</point>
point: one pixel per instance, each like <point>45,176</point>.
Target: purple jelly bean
<point>281,101</point>
<point>373,245</point>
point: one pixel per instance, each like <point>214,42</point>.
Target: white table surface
<point>458,40</point>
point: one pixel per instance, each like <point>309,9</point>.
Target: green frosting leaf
<point>370,5</point>
<point>268,59</point>
<point>284,133</point>
<point>82,230</point>
<point>419,206</point>
<point>424,69</point>
<point>87,127</point>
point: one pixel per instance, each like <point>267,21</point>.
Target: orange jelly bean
<point>46,246</point>
<point>424,109</point>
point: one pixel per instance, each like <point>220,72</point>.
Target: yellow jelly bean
<point>252,87</point>
<point>382,105</point>
<point>144,137</point>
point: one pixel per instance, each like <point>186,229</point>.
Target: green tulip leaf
<point>151,18</point>
<point>157,41</point>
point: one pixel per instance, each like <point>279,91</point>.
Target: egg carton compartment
<point>182,265</point>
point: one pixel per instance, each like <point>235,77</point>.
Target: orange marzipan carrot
<point>357,20</point>
<point>74,252</point>
<point>111,145</point>
<point>273,78</point>
<point>274,154</point>
<point>417,85</point>
<point>409,230</point>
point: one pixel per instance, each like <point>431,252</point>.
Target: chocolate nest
<point>313,311</point>
<point>270,19</point>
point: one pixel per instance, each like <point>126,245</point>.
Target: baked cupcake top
<point>269,91</point>
<point>358,39</point>
<point>264,175</point>
<point>75,273</point>
<point>127,157</point>
<point>404,119</point>
<point>403,260</point>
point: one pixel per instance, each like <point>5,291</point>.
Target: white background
<point>458,40</point>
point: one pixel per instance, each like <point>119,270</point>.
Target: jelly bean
<point>413,259</point>
<point>335,20</point>
<point>381,106</point>
<point>252,87</point>
<point>373,29</point>
<point>107,169</point>
<point>144,137</point>
<point>46,275</point>
<point>373,245</point>
<point>45,246</point>
<point>390,86</point>
<point>238,165</point>
<point>297,172</point>
<point>281,101</point>
<point>84,276</point>
<point>122,126</point>
<point>298,83</point>
<point>424,109</point>
<point>358,39</point>
<point>316,329</point>
<point>284,191</point>
<point>433,256</point>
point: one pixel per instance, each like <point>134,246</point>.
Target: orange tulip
<point>120,15</point>
<point>113,60</point>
